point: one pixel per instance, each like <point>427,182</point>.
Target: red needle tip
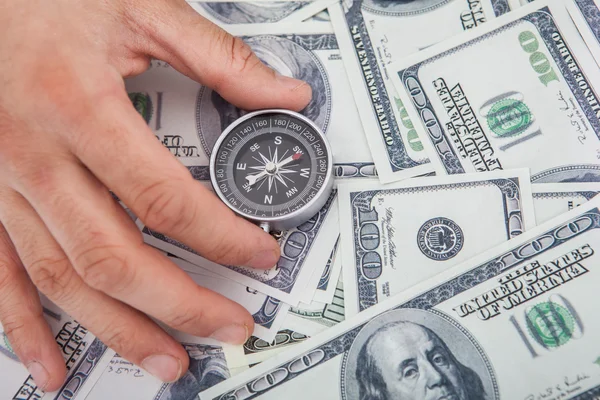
<point>296,156</point>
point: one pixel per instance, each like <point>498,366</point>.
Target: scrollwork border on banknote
<point>587,195</point>
<point>256,345</point>
<point>543,20</point>
<point>324,281</point>
<point>361,202</point>
<point>426,301</point>
<point>267,313</point>
<point>540,177</point>
<point>84,369</point>
<point>590,13</point>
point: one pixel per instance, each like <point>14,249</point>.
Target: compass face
<point>270,164</point>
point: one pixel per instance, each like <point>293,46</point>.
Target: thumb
<point>208,54</point>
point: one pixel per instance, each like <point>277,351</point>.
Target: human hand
<point>68,134</point>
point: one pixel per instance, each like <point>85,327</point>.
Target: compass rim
<point>319,198</point>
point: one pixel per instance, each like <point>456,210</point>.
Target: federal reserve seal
<point>440,239</point>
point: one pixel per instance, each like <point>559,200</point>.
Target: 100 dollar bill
<point>374,33</point>
<point>518,92</point>
<point>468,333</point>
<point>395,236</point>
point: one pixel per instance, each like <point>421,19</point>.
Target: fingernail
<point>264,259</point>
<point>231,334</point>
<point>39,374</point>
<point>163,366</point>
<point>292,84</point>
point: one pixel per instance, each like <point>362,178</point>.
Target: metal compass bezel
<point>297,217</point>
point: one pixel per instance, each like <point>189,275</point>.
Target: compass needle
<point>257,159</point>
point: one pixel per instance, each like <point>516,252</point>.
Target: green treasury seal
<point>142,104</point>
<point>509,117</point>
<point>550,324</point>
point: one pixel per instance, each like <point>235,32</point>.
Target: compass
<point>273,167</point>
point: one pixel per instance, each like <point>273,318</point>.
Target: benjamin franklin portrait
<point>214,114</point>
<point>400,357</point>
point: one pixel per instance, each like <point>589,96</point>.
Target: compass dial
<point>272,166</point>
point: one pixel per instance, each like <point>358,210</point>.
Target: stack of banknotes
<point>456,257</point>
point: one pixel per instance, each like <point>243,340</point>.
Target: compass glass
<point>270,165</point>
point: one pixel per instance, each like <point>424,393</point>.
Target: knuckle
<point>7,277</point>
<point>119,337</point>
<point>226,250</point>
<point>49,274</point>
<point>240,55</point>
<point>188,319</point>
<point>105,267</point>
<point>43,180</point>
<point>14,325</point>
<point>164,207</point>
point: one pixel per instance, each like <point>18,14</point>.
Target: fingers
<point>211,56</point>
<point>127,331</point>
<point>23,323</point>
<point>107,251</point>
<point>127,158</point>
